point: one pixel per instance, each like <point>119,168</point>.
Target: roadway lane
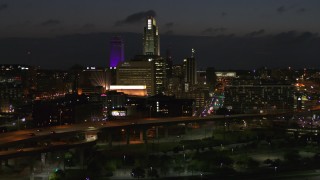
<point>24,135</point>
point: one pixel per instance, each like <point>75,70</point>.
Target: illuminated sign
<point>225,74</point>
<point>118,113</point>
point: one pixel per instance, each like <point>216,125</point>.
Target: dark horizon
<point>251,51</point>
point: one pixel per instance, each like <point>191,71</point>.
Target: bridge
<point>11,142</point>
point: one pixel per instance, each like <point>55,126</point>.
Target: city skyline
<point>226,35</point>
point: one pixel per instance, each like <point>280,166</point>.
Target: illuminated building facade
<point>177,71</point>
<point>168,106</point>
<point>199,95</point>
<point>116,51</point>
<point>259,98</point>
<point>114,104</point>
<point>16,83</point>
<point>151,41</point>
<point>131,90</point>
<point>223,79</point>
<point>159,65</point>
<point>169,64</point>
<point>175,84</point>
<point>160,74</point>
<point>137,73</point>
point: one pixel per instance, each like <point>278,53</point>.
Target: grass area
<point>138,149</point>
<point>243,153</point>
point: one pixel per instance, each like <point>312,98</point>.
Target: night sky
<point>227,34</point>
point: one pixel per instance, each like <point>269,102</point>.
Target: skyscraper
<point>116,51</point>
<point>151,40</point>
<point>190,71</point>
<point>169,64</point>
<point>137,73</point>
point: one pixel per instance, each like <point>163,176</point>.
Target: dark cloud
<point>136,17</point>
<point>170,32</point>
<point>50,22</point>
<point>57,29</point>
<point>256,33</point>
<point>88,26</point>
<point>211,30</point>
<point>223,14</point>
<point>281,9</point>
<point>295,39</point>
<point>3,6</point>
<point>169,25</point>
<point>301,10</point>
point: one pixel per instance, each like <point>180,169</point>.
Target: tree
<point>276,163</point>
<point>58,174</point>
<point>153,173</point>
<point>68,159</point>
<point>165,163</point>
<point>267,161</point>
<point>252,164</point>
<point>138,172</point>
<point>110,167</point>
<point>292,156</point>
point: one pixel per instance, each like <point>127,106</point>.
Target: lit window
<point>149,23</point>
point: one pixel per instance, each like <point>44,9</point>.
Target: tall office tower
<point>211,77</point>
<point>137,73</point>
<point>151,40</point>
<point>159,65</point>
<point>160,74</point>
<point>190,71</point>
<point>116,51</point>
<point>169,64</point>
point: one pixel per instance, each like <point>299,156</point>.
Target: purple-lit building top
<point>116,51</point>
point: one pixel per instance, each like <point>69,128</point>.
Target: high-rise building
<point>151,40</point>
<point>190,71</point>
<point>255,98</point>
<point>160,74</point>
<point>116,51</point>
<point>159,65</point>
<point>169,64</point>
<point>137,73</point>
<point>211,77</point>
<point>17,84</point>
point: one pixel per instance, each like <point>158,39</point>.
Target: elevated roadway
<point>14,139</point>
<point>11,138</point>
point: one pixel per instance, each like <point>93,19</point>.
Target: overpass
<point>32,135</point>
<point>14,139</point>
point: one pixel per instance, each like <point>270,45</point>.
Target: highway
<point>25,135</point>
<point>13,139</point>
<point>11,153</point>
